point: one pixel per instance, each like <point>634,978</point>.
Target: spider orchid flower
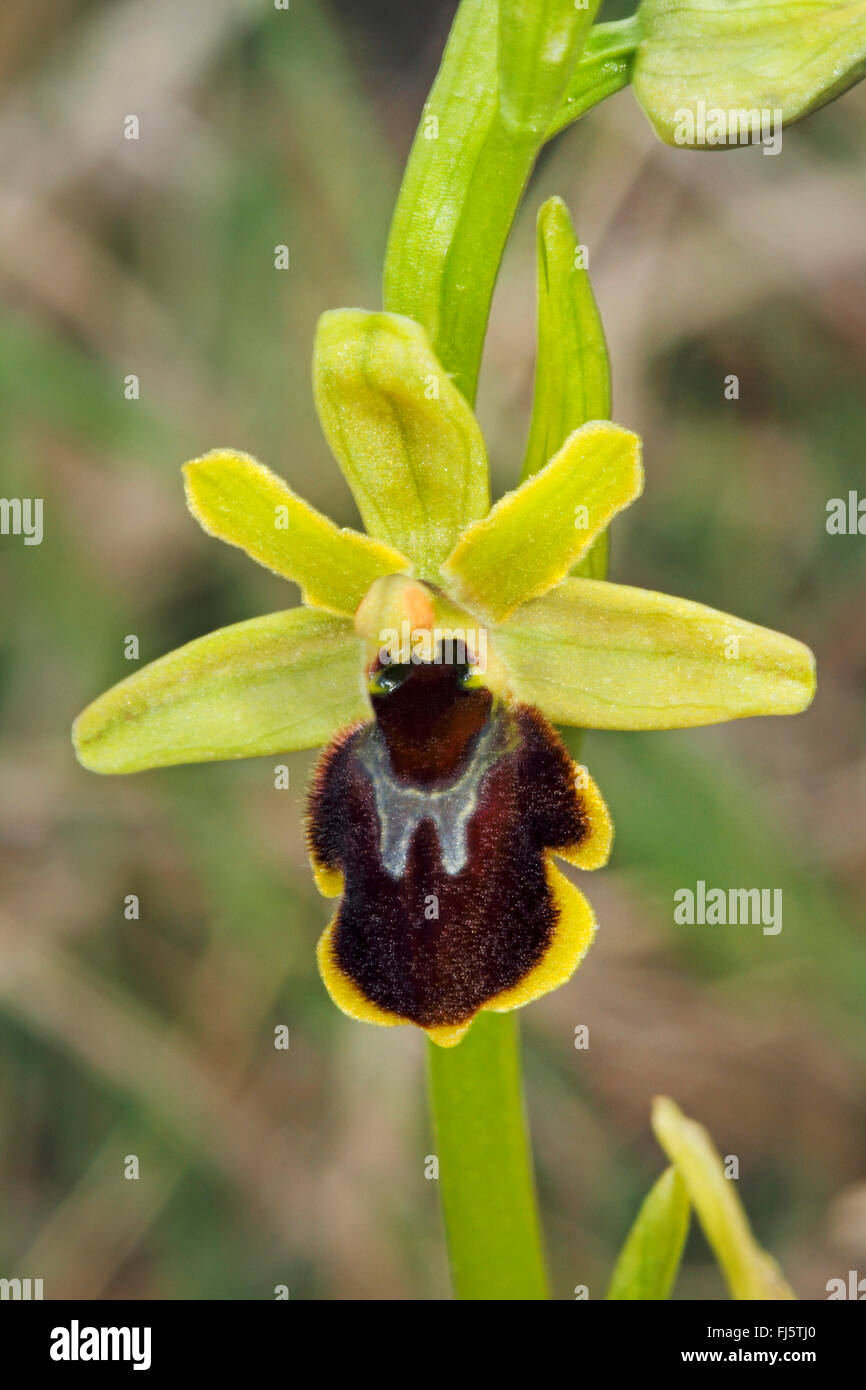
<point>432,656</point>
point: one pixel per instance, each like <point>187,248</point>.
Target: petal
<point>271,685</point>
<point>749,1271</point>
<point>572,937</point>
<point>350,1001</point>
<point>329,882</point>
<point>533,536</point>
<point>561,807</point>
<point>343,991</point>
<point>606,656</point>
<point>451,902</point>
<point>701,64</point>
<point>593,850</point>
<point>239,500</point>
<point>404,436</point>
<point>648,1262</point>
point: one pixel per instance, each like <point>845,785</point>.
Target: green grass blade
<point>648,1262</point>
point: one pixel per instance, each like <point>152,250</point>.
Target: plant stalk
<point>485,1165</point>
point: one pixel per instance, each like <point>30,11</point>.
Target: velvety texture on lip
<point>447,898</point>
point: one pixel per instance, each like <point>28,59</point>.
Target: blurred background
<point>155,1037</point>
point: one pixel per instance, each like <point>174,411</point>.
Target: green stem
<point>604,68</point>
<point>485,1167</point>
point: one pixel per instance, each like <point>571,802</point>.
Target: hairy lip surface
<point>447,900</point>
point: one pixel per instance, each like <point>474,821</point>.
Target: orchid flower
<point>432,656</point>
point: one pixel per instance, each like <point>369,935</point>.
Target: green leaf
<point>282,682</point>
<point>607,656</point>
<point>749,1271</point>
<point>405,438</point>
<point>604,67</point>
<point>572,370</point>
<point>648,1262</point>
<point>462,185</point>
<point>738,56</point>
<point>539,45</point>
<point>532,536</point>
<point>240,501</point>
<point>502,83</point>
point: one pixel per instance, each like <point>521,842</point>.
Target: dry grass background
<point>155,1037</point>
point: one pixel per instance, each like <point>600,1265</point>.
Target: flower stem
<point>485,1165</point>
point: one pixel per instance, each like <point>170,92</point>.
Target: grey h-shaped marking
<point>402,809</point>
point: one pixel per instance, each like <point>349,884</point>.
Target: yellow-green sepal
<point>786,58</point>
<point>234,497</point>
<point>607,656</point>
<point>274,684</point>
<point>533,536</point>
<point>749,1271</point>
<point>648,1262</point>
<point>405,438</point>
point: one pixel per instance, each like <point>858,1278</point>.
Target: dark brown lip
<point>403,843</point>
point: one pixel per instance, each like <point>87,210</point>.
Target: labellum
<point>436,822</point>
